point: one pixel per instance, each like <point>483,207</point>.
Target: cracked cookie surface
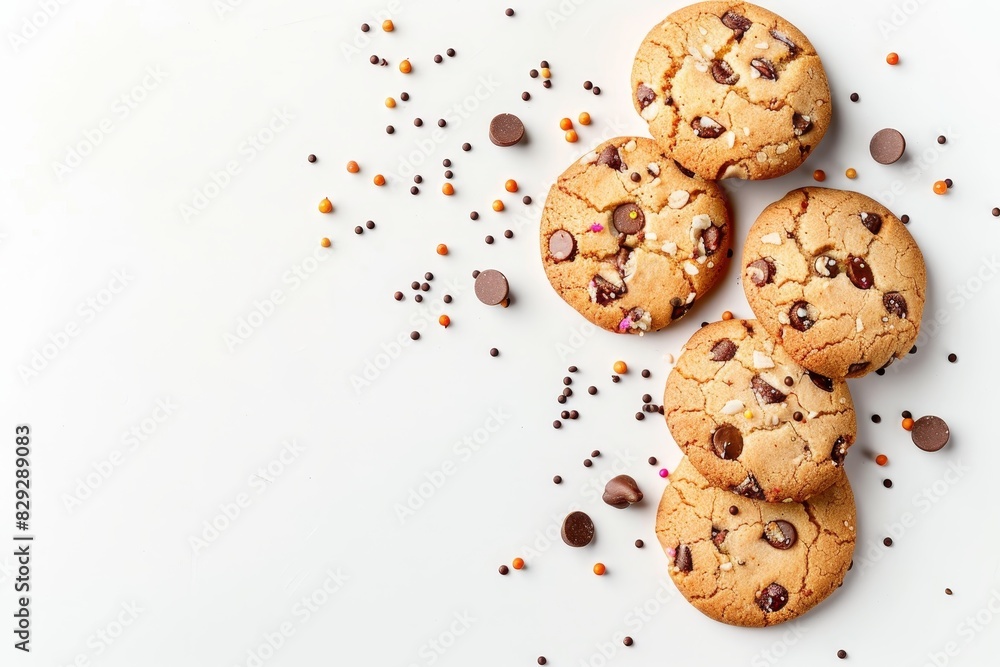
<point>837,279</point>
<point>753,421</point>
<point>629,240</point>
<point>731,90</point>
<point>763,565</point>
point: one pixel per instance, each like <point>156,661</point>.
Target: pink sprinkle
<point>663,472</point>
<point>671,552</point>
<point>597,227</point>
<point>625,324</point>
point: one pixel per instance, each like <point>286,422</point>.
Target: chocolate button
<point>506,130</point>
<point>727,441</point>
<point>773,598</point>
<point>621,491</point>
<point>577,529</point>
<point>930,433</point>
<point>628,219</point>
<point>887,146</point>
<point>492,288</point>
<point>562,245</point>
<point>780,534</point>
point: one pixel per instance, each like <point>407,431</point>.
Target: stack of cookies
<point>758,520</point>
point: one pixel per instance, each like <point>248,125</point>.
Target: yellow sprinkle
<point>748,414</point>
<point>851,173</point>
<point>633,215</point>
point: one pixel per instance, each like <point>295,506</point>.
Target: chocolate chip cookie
<point>753,421</point>
<point>751,563</point>
<point>629,240</point>
<point>732,90</point>
<point>837,279</point>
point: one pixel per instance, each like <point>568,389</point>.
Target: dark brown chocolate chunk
<point>780,534</point>
<point>719,537</point>
<point>801,124</point>
<point>723,350</point>
<point>727,442</point>
<point>871,221</point>
<point>622,259</point>
<point>712,238</point>
<point>826,266</point>
<point>491,287</point>
<point>684,170</point>
<point>761,272</point>
<point>799,316</point>
<point>645,95</point>
<point>786,40</point>
<point>577,529</point>
<point>706,128</point>
<point>606,291</point>
<point>562,245</point>
<point>723,73</point>
<point>860,273</point>
<point>765,67</point>
<point>750,488</point>
<point>680,309</point>
<point>682,558</point>
<point>773,598</point>
<point>628,219</point>
<point>765,392</point>
<point>737,23</point>
<point>839,451</point>
<point>621,491</point>
<point>855,369</point>
<point>887,146</point>
<point>506,130</point>
<point>611,158</point>
<point>821,381</point>
<point>930,433</point>
<point>895,304</point>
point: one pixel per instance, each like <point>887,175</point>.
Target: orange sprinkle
<point>819,175</point>
<point>518,563</point>
<point>448,189</point>
<point>497,205</point>
<point>851,173</point>
<point>405,67</point>
<point>584,118</point>
<point>389,102</point>
<point>510,185</point>
<point>546,73</point>
<point>571,136</point>
<point>353,167</point>
<point>325,242</point>
<point>620,367</point>
<point>442,249</point>
<point>940,187</point>
<point>881,459</point>
<point>444,321</point>
<point>325,206</point>
<point>565,124</point>
<point>892,58</point>
<point>379,179</point>
<point>726,315</point>
<point>907,424</point>
<point>599,569</point>
<point>388,26</point>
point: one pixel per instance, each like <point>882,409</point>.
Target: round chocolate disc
<point>562,245</point>
<point>628,219</point>
<point>577,529</point>
<point>491,287</point>
<point>727,442</point>
<point>506,129</point>
<point>930,433</point>
<point>887,146</point>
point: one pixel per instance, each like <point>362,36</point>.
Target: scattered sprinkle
<point>940,187</point>
<point>517,563</point>
<point>325,206</point>
<point>379,180</point>
<point>664,472</point>
<point>572,137</point>
<point>881,459</point>
<point>352,167</point>
<point>819,175</point>
<point>892,58</point>
<point>444,321</point>
<point>584,118</point>
<point>855,97</point>
<point>325,242</point>
<point>448,189</point>
<point>620,367</point>
<point>510,185</point>
<point>388,26</point>
<point>442,249</point>
<point>497,205</point>
<point>599,569</point>
<point>311,158</point>
<point>851,173</point>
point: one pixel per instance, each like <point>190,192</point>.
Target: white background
<point>334,506</point>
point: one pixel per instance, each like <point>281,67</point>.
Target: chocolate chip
<point>621,491</point>
<point>405,96</point>
<point>734,510</point>
<point>887,483</point>
<point>508,234</point>
<point>801,124</point>
<point>639,416</point>
<point>841,654</point>
<point>684,170</point>
<point>906,414</point>
<point>789,381</point>
<point>953,357</point>
<point>821,381</point>
<point>723,350</point>
<point>855,97</point>
<point>562,245</point>
<point>773,598</point>
<point>577,529</point>
<point>765,391</point>
<point>799,316</point>
<point>450,53</point>
<point>636,177</point>
<point>311,158</point>
<point>491,287</point>
<point>627,641</point>
<point>826,266</point>
<point>526,96</point>
<point>557,424</point>
<point>438,59</point>
<point>887,541</point>
<point>718,538</point>
<point>797,416</point>
<point>547,83</point>
<point>930,433</point>
<point>727,442</point>
<point>895,304</point>
<point>780,534</point>
<point>839,451</point>
<point>605,291</point>
<point>587,85</point>
<point>506,130</point>
<point>557,480</point>
<point>784,39</point>
<point>611,158</point>
<point>706,128</point>
<point>651,460</point>
<point>860,273</point>
<point>749,488</point>
<point>723,73</point>
<point>503,569</point>
<point>887,146</point>
<point>466,147</point>
<point>526,200</point>
<point>682,558</point>
<point>765,67</point>
<point>646,398</point>
<point>761,272</point>
<point>628,219</point>
<point>680,309</point>
<point>712,238</point>
<point>855,369</point>
<point>737,23</point>
<point>645,373</point>
<point>644,95</point>
<point>871,221</point>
